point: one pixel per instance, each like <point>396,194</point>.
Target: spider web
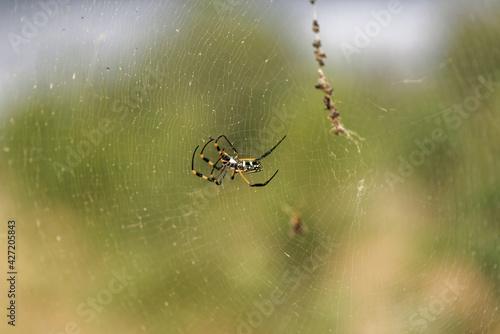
<point>104,103</point>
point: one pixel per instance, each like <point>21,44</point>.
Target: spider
<point>237,166</point>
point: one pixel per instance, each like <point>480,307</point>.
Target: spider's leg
<point>216,167</point>
<point>192,161</point>
<point>223,176</point>
<point>211,179</point>
<point>262,184</point>
<point>244,178</point>
<point>205,158</point>
<point>208,142</point>
<point>269,152</point>
<point>208,178</point>
<point>232,174</point>
<point>217,145</point>
<point>257,184</point>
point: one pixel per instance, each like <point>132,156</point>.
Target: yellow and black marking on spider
<point>227,162</point>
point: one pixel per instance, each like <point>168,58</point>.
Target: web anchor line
<point>333,112</point>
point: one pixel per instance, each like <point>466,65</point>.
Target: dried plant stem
<point>333,112</point>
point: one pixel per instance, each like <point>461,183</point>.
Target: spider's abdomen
<point>249,166</point>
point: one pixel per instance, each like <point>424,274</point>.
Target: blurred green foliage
<point>105,164</point>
